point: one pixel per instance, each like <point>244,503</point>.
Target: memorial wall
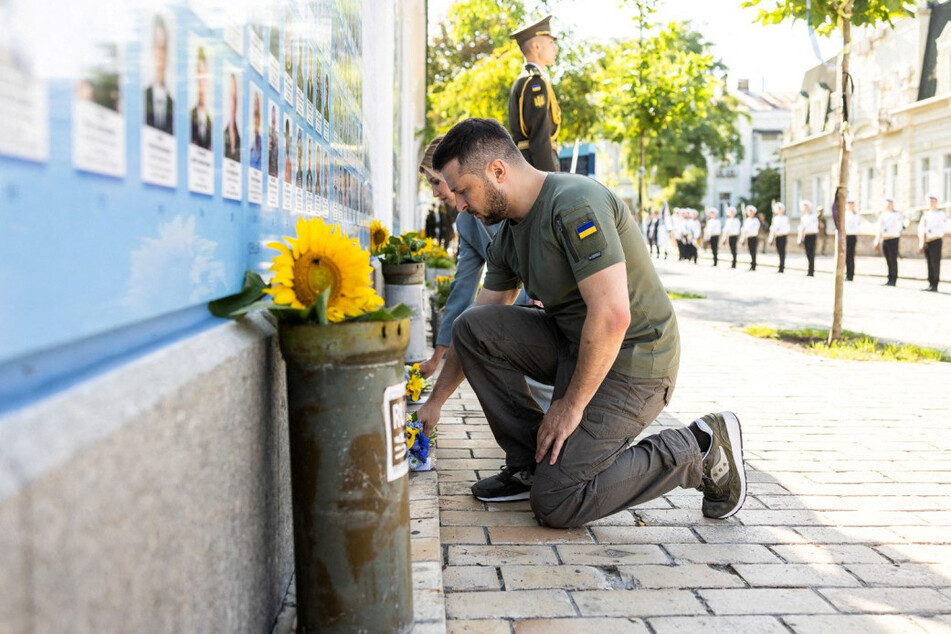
<point>149,151</point>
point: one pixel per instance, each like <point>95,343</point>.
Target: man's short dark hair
<point>475,143</point>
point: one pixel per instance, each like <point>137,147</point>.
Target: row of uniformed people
<point>931,229</point>
<point>890,225</point>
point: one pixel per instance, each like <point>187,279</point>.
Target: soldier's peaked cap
<point>542,27</point>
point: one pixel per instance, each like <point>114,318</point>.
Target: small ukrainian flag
<point>586,229</point>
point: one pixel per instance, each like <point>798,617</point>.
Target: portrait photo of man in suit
<point>200,116</point>
<point>159,105</point>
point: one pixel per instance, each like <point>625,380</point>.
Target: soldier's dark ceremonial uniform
<point>534,114</point>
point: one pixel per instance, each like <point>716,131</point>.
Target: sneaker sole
<point>735,434</point>
<point>505,498</point>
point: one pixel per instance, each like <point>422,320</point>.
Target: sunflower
<point>320,257</point>
<point>378,236</point>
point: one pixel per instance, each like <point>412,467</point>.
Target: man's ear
<point>498,170</point>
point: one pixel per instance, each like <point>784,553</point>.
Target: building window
<point>818,192</point>
<point>797,196</point>
<point>947,177</point>
<point>893,180</point>
<point>869,186</point>
<point>924,178</point>
<point>766,146</point>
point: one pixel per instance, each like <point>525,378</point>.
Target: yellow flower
<point>415,384</point>
<point>411,433</point>
<point>322,256</point>
<point>378,236</point>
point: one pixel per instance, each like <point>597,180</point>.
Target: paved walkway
<point>847,527</point>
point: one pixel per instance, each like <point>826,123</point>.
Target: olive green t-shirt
<point>576,228</point>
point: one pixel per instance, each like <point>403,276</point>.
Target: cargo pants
<point>599,471</point>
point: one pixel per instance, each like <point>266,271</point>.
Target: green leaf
<point>390,313</point>
<point>233,306</point>
<point>316,313</point>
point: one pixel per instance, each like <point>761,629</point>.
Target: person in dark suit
<point>534,114</point>
<point>159,106</point>
<point>232,136</point>
<point>200,119</point>
<point>272,144</point>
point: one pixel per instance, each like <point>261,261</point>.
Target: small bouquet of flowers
<point>415,383</point>
<point>418,444</point>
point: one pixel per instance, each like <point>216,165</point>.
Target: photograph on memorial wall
<point>201,163</point>
<point>273,146</point>
<point>256,46</point>
<point>274,56</point>
<point>288,28</point>
<point>300,63</point>
<point>309,176</point>
<point>299,171</point>
<point>24,96</point>
<point>255,146</point>
<point>99,132</point>
<point>288,189</point>
<point>231,186</point>
<point>159,147</point>
<point>310,85</point>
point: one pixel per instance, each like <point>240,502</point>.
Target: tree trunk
<point>641,184</point>
<point>835,332</point>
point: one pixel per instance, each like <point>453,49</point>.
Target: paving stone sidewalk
<point>847,527</point>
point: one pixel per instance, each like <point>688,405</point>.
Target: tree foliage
<point>765,189</point>
<point>670,87</point>
<point>825,15</point>
<point>686,190</point>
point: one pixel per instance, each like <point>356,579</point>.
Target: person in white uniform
<point>731,231</point>
<point>853,225</point>
<point>931,230</point>
<point>750,231</point>
<point>890,225</point>
<point>779,233</point>
<point>808,231</point>
<point>712,231</point>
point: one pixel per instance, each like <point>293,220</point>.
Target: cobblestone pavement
<point>847,527</point>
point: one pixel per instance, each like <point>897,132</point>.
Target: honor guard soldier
<point>779,233</point>
<point>853,227</point>
<point>534,114</point>
<point>930,239</point>
<point>890,226</point>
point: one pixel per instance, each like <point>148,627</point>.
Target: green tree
<point>663,98</point>
<point>472,64</point>
<point>764,190</point>
<point>686,190</point>
<point>826,16</point>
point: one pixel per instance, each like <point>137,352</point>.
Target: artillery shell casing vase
<point>404,284</point>
<point>346,419</point>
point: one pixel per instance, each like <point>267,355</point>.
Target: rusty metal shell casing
<point>348,476</point>
<point>405,285</point>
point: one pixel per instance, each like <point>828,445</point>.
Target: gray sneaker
<point>509,485</point>
<point>724,474</point>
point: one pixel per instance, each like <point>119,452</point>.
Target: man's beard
<point>496,205</point>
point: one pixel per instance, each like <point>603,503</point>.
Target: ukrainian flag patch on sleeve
<point>586,229</point>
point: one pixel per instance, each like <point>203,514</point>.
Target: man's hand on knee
<point>560,422</point>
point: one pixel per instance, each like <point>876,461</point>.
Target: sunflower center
<point>312,275</point>
<point>379,236</point>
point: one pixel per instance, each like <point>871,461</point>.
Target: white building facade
<point>767,118</point>
<point>900,123</point>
